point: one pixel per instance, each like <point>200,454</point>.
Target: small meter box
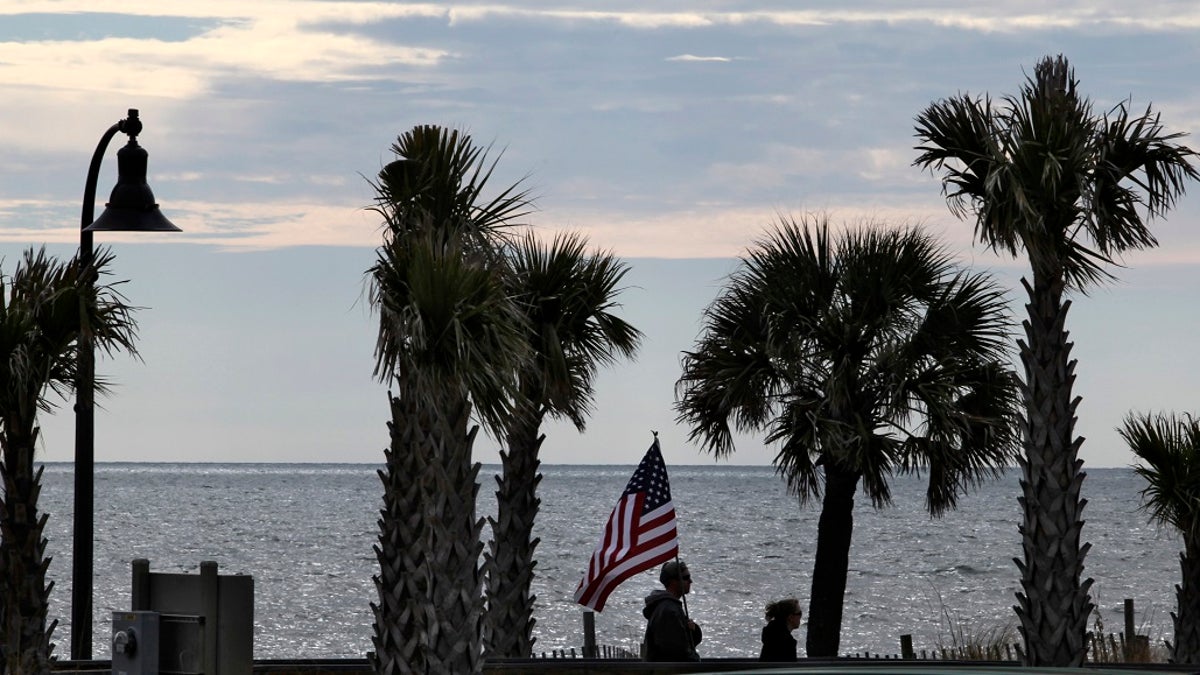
<point>152,643</point>
<point>135,643</point>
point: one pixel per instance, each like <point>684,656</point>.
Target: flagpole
<point>682,595</point>
<point>687,619</point>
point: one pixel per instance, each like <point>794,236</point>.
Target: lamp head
<point>131,207</point>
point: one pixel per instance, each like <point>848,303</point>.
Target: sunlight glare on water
<point>305,533</point>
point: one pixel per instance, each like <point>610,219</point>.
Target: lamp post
<point>131,207</point>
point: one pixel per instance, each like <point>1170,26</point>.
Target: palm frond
<point>569,298</point>
<point>1137,164</point>
<point>958,138</point>
<point>1169,447</point>
<point>48,306</point>
<point>438,181</point>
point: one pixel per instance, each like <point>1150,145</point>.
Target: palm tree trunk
<point>26,597</point>
<point>1186,648</point>
<point>832,561</point>
<point>508,624</point>
<point>1053,606</point>
<point>429,586</point>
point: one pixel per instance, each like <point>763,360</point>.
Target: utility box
<point>206,621</point>
<point>135,643</point>
<point>149,643</point>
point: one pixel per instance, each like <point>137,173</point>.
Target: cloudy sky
<point>671,133</point>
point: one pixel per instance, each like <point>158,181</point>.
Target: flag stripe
<point>640,533</point>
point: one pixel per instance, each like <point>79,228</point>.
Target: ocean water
<point>305,533</point>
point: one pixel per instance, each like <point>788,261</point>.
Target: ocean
<point>305,532</point>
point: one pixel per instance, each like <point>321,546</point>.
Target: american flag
<point>640,533</point>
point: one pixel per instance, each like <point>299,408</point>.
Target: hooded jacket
<point>777,642</point>
<point>668,637</point>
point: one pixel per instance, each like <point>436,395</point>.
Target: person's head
<point>785,610</point>
<point>676,578</point>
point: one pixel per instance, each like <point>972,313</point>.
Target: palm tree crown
<point>438,284</point>
<point>1169,446</point>
<point>437,181</point>
<point>568,297</point>
<point>1043,173</point>
<point>873,351</point>
<point>44,308</point>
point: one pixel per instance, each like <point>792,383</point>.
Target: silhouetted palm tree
<point>567,296</point>
<point>1042,173</point>
<point>450,342</point>
<point>45,306</point>
<point>862,357</point>
<point>1170,448</point>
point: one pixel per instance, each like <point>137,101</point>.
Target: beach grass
<point>959,640</point>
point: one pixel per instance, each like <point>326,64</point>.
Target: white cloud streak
<point>694,58</point>
<point>1006,17</point>
<point>707,231</point>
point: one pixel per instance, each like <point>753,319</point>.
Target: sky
<point>671,134</point>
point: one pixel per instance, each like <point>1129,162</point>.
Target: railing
<point>602,652</point>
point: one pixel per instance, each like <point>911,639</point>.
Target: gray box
<point>135,639</point>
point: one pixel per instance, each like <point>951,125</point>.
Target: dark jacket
<point>778,643</point>
<point>668,637</point>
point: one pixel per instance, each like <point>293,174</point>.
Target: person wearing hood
<point>783,617</point>
<point>670,634</point>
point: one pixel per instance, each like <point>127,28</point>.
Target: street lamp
<point>130,208</point>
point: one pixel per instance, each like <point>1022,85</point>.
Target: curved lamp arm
<point>131,125</point>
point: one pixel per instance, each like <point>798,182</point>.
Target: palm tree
<point>863,357</point>
<point>1170,448</point>
<point>567,296</point>
<point>45,306</point>
<point>1041,172</point>
<point>450,340</point>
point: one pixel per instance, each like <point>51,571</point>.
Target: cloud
<point>694,58</point>
<point>723,231</point>
<point>275,40</point>
<point>246,225</point>
<point>702,231</point>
